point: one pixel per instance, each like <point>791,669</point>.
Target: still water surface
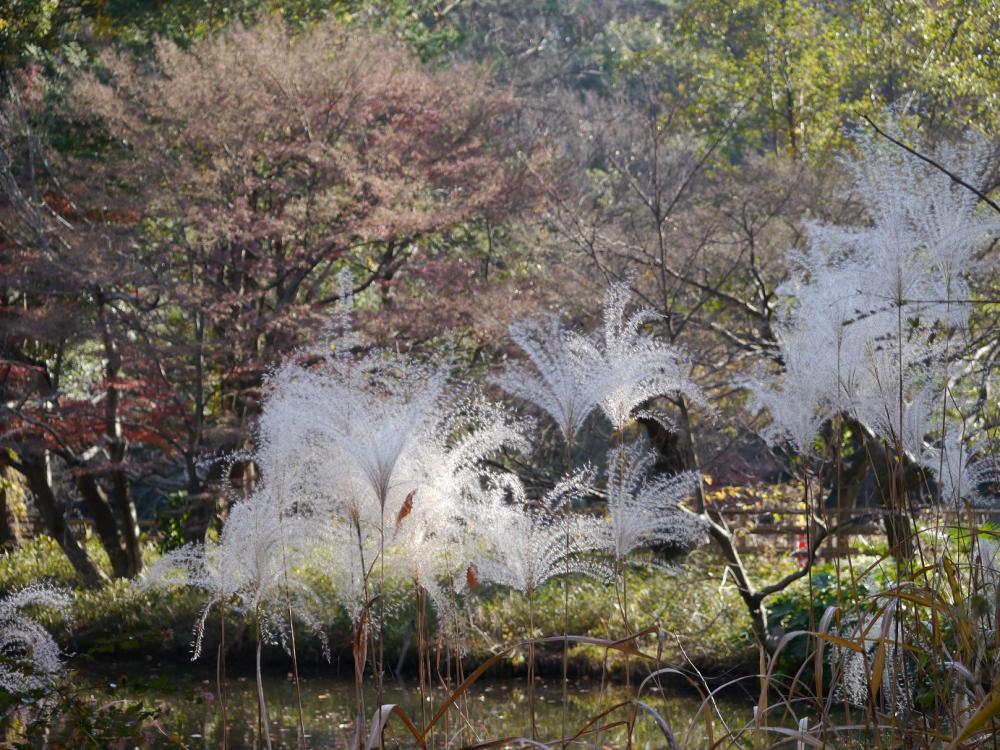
<point>189,712</point>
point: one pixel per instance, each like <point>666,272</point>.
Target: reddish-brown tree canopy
<point>235,179</point>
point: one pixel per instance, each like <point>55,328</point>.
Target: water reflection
<point>189,712</point>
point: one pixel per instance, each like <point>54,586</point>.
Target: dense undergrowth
<point>689,599</point>
<point>701,630</point>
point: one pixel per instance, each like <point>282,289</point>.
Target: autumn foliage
<point>242,174</point>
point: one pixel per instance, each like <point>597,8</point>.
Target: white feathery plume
<point>527,543</point>
<point>859,333</point>
<point>346,431</point>
<point>29,656</point>
<point>618,369</point>
<point>381,451</point>
<point>345,564</point>
<point>194,566</point>
<point>348,422</point>
<point>645,511</point>
<point>251,566</point>
<point>882,414</point>
<point>437,475</point>
<point>796,410</point>
<point>261,547</point>
<point>960,474</point>
<point>636,367</point>
<point>560,382</point>
<point>928,226</point>
<point>888,630</point>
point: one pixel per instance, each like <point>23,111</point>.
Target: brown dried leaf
<point>406,509</point>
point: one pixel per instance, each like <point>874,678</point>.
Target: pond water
<point>189,714</point>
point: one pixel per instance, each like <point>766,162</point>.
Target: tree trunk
<point>105,523</point>
<point>681,456</point>
<point>204,507</point>
<point>122,490</point>
<point>118,449</point>
<point>36,470</point>
<point>200,511</point>
<point>895,477</point>
<point>10,528</point>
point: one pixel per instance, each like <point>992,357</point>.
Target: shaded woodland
<point>703,253</point>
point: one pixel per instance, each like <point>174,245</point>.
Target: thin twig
<point>951,175</point>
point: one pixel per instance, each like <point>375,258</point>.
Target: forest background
<point>182,183</point>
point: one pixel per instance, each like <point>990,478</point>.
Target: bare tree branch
<point>954,177</point>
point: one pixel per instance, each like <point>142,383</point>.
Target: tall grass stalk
<point>220,675</point>
<point>380,665</point>
<point>531,660</point>
<point>568,463</point>
<point>422,656</point>
<point>263,726</point>
<point>359,646</point>
<point>301,735</point>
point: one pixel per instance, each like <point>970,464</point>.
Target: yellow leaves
<point>784,496</point>
<point>727,493</point>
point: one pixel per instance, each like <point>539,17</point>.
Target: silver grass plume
<point>429,540</point>
<point>644,511</point>
<point>862,315</point>
<point>886,630</point>
<point>559,382</point>
<point>528,542</point>
<point>259,552</point>
<point>350,420</point>
<point>381,450</point>
<point>29,656</point>
<point>263,549</point>
<point>961,474</point>
<point>636,366</point>
<point>346,431</point>
<point>617,369</point>
<point>191,566</point>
